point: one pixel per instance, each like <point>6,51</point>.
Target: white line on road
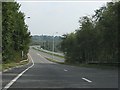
<point>45,61</point>
<point>38,54</point>
<point>65,70</point>
<point>87,80</point>
<point>41,57</point>
<point>19,75</point>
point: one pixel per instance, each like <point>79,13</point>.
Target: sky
<point>56,18</point>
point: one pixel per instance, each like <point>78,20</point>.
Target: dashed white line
<point>41,57</point>
<point>19,75</point>
<point>45,61</point>
<point>65,70</point>
<point>87,80</point>
<point>38,54</point>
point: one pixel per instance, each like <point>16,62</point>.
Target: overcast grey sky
<point>47,18</point>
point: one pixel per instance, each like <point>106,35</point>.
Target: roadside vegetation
<point>46,42</point>
<point>53,60</point>
<point>98,66</point>
<point>13,64</point>
<point>96,40</point>
<point>15,35</point>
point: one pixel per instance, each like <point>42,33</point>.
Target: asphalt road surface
<point>50,56</point>
<point>37,47</point>
<point>45,74</point>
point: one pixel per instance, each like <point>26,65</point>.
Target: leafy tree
<point>96,41</point>
<point>15,35</point>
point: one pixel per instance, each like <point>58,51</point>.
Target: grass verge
<point>12,64</point>
<point>98,66</point>
<point>53,60</point>
<point>0,67</point>
<point>0,61</point>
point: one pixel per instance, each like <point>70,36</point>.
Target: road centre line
<point>40,60</point>
<point>41,57</point>
<point>87,80</point>
<point>19,75</point>
<point>38,54</point>
<point>65,70</point>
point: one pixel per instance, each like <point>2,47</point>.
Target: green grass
<point>0,67</point>
<point>0,56</point>
<point>12,64</point>
<point>53,60</point>
<point>0,61</point>
<point>99,66</point>
<point>49,53</point>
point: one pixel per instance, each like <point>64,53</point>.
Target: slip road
<point>45,74</point>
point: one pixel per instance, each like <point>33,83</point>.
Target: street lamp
<point>53,45</point>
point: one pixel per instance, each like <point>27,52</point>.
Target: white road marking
<point>45,61</point>
<point>38,54</point>
<point>87,80</point>
<point>65,70</point>
<point>41,57</point>
<point>19,75</point>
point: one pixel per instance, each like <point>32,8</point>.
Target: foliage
<point>15,35</point>
<point>46,42</point>
<point>0,28</point>
<point>96,40</point>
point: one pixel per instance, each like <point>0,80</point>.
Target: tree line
<point>15,35</point>
<point>0,27</point>
<point>46,42</point>
<point>96,40</point>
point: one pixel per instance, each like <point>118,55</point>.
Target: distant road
<point>46,74</point>
<point>50,56</point>
<point>37,47</point>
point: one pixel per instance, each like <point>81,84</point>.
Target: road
<point>38,47</point>
<point>46,74</point>
<point>50,56</point>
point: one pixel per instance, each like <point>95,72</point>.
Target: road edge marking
<point>19,75</point>
<point>87,80</point>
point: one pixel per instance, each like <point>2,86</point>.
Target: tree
<point>15,35</point>
<point>68,46</point>
<point>96,41</point>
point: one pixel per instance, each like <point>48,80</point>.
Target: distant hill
<point>46,42</point>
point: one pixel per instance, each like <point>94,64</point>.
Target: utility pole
<point>53,46</point>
